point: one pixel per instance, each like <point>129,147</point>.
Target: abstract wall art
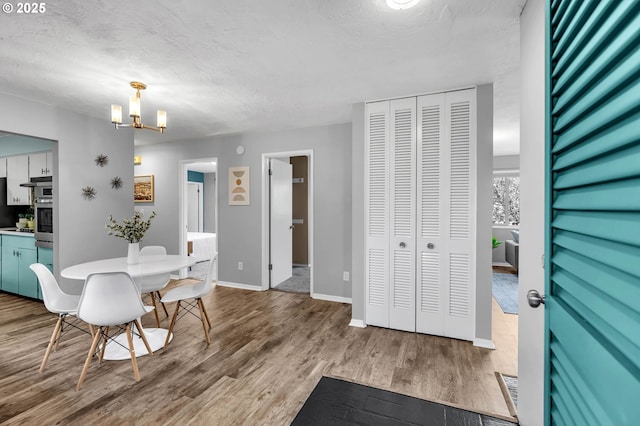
<point>239,189</point>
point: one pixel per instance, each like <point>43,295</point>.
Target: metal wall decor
<point>116,183</point>
<point>88,193</point>
<point>102,160</point>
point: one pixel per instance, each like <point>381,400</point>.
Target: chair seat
<point>180,293</point>
<point>66,305</point>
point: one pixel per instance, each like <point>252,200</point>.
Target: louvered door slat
<point>593,245</point>
<point>430,309</point>
<point>377,213</point>
<point>403,204</point>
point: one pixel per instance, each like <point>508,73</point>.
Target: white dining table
<point>149,265</point>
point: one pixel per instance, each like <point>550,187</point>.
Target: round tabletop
<point>149,265</point>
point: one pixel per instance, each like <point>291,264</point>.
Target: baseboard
<point>331,298</point>
<point>301,265</point>
<point>239,285</point>
<point>484,343</point>
<point>506,264</point>
<point>357,323</point>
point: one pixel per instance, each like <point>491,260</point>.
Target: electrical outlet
<point>345,276</point>
<point>240,266</point>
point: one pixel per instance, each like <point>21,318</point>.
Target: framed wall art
<point>239,189</point>
<point>143,189</point>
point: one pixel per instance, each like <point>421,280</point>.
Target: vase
<point>133,255</point>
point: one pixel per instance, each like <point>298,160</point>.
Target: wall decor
<point>143,189</point>
<point>88,193</point>
<point>239,189</point>
<point>116,183</point>
<point>102,160</point>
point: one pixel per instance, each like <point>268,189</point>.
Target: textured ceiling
<point>253,65</point>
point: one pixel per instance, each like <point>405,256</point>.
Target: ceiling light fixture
<point>401,4</point>
<point>134,112</point>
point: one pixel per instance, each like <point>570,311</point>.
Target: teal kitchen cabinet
<point>17,254</point>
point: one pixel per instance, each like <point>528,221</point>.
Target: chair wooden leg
<point>204,311</point>
<point>59,335</point>
<point>204,321</point>
<point>105,338</point>
<point>91,330</point>
<point>54,335</point>
<point>173,322</point>
<point>132,353</point>
<point>163,307</point>
<point>144,338</point>
<point>155,308</point>
<point>94,343</point>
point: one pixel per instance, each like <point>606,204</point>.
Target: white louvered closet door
<point>432,185</point>
<point>402,208</point>
<point>377,213</point>
<point>460,205</point>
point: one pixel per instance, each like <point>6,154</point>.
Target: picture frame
<point>239,188</point>
<point>143,189</point>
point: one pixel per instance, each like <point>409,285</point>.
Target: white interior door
<point>195,209</point>
<point>281,206</point>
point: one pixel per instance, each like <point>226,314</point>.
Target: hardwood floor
<point>268,351</point>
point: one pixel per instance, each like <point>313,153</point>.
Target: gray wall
<point>240,227</point>
<point>210,198</point>
<point>506,162</point>
<point>483,220</point>
<point>80,224</point>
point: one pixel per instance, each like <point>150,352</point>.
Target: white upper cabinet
<point>40,164</point>
<point>17,173</point>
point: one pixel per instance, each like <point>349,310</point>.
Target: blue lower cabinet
<point>45,256</point>
<point>17,254</point>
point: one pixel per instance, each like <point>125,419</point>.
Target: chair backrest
<point>55,299</point>
<point>152,250</point>
<point>153,282</point>
<point>110,298</point>
<point>206,286</point>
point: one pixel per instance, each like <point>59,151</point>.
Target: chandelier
<point>134,112</point>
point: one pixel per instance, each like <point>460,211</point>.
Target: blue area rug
<point>505,290</point>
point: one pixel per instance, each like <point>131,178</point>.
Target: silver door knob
<point>402,244</point>
<point>534,298</point>
<point>430,245</point>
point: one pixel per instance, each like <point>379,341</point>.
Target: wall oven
<point>43,212</point>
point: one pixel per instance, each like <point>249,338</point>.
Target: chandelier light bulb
<point>401,4</point>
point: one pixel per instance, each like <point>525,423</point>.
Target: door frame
<point>265,211</point>
<point>183,167</point>
<point>200,186</point>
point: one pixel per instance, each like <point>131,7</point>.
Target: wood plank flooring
<point>268,351</point>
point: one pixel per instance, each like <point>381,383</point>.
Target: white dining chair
<point>58,302</point>
<point>191,296</point>
<point>154,283</point>
<point>111,299</point>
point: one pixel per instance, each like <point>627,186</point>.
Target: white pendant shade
<point>162,118</point>
<point>134,106</point>
<point>116,114</point>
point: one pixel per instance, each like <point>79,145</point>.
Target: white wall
<point>532,212</point>
<point>79,224</point>
<point>240,227</point>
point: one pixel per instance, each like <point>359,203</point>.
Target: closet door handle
<point>431,246</point>
<point>403,244</point>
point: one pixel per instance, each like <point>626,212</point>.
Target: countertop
<point>13,231</point>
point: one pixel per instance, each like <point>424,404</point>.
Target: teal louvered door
<point>593,222</point>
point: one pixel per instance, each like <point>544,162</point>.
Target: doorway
<point>199,212</point>
<point>287,196</point>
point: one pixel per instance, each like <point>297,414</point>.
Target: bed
<point>202,246</point>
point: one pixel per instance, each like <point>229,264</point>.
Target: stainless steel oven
<point>43,212</point>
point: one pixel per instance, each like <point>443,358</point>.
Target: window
<point>506,199</point>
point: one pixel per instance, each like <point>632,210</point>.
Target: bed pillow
<point>516,235</point>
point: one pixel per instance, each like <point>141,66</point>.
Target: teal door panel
<point>28,282</point>
<point>592,314</point>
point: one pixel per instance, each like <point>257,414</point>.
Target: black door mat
<point>338,402</point>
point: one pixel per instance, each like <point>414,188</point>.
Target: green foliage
<point>132,229</point>
<point>496,243</point>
